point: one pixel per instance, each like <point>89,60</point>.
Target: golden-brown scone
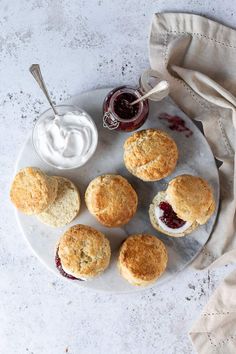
<point>111,199</point>
<point>84,252</point>
<point>142,259</point>
<point>150,154</point>
<point>191,197</point>
<point>161,197</point>
<point>32,191</point>
<point>65,207</point>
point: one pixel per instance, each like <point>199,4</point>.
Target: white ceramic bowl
<point>63,109</point>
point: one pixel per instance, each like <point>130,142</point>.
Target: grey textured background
<point>82,45</point>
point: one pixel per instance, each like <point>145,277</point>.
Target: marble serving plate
<point>195,157</point>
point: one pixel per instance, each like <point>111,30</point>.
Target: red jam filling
<point>176,123</point>
<point>169,217</point>
<point>122,106</point>
<point>61,270</point>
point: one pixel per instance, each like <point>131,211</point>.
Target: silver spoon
<point>161,86</point>
<point>36,72</point>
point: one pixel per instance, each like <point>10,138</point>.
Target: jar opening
<point>119,104</point>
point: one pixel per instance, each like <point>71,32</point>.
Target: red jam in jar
<point>119,114</point>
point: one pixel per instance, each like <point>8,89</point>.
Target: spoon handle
<point>161,86</point>
<point>36,72</point>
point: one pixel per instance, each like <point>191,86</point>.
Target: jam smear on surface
<point>123,108</point>
<point>176,123</point>
<point>61,270</point>
<point>169,217</point>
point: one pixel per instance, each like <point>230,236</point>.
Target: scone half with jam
<point>83,253</point>
<point>187,203</point>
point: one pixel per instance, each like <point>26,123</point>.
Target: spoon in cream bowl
<point>64,136</point>
<point>36,72</point>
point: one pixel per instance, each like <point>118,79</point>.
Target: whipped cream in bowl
<point>67,140</point>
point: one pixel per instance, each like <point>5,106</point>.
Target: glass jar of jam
<point>118,114</point>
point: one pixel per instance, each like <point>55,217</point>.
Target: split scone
<point>150,154</point>
<point>111,199</point>
<point>142,259</point>
<point>187,203</point>
<point>32,191</point>
<point>83,252</point>
<point>65,207</point>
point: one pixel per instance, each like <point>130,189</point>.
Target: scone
<point>111,199</point>
<point>142,259</point>
<point>32,191</point>
<point>83,252</point>
<point>187,203</point>
<point>150,154</point>
<point>65,207</point>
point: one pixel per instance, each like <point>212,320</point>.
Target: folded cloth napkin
<point>197,56</point>
<point>215,331</point>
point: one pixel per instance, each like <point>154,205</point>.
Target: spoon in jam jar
<point>161,86</point>
<point>36,72</point>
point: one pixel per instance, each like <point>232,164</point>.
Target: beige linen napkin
<point>215,331</point>
<point>198,58</point>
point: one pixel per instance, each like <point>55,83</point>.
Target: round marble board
<point>195,157</point>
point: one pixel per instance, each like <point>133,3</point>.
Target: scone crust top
<point>192,198</point>
<point>144,256</point>
<point>111,199</point>
<point>84,251</point>
<point>150,154</point>
<point>32,191</point>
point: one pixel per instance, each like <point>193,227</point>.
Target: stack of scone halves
<point>54,200</point>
